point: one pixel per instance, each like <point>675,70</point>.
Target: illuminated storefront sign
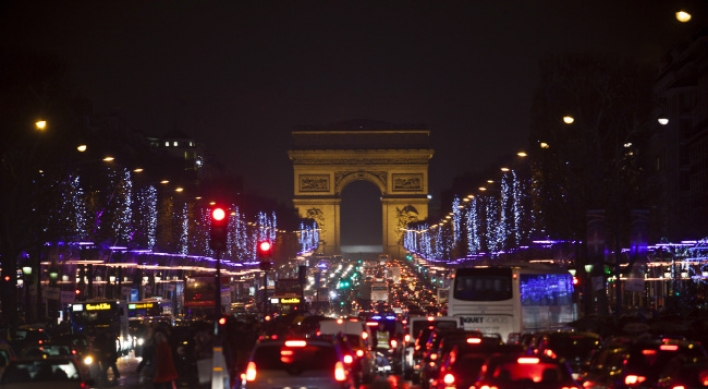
<point>141,305</point>
<point>293,300</point>
<point>98,307</point>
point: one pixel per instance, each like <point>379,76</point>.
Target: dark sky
<point>240,75</point>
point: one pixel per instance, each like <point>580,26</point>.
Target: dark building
<point>678,152</point>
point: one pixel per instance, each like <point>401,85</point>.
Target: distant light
<point>108,159</point>
<point>567,119</point>
<point>663,121</point>
<point>40,124</point>
<point>179,189</point>
<point>505,169</point>
<point>163,182</point>
<point>683,16</point>
<point>490,181</point>
<point>522,154</point>
<point>482,188</point>
<point>81,148</point>
<point>138,170</point>
<point>544,145</point>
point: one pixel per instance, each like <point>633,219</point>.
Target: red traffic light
<point>264,247</point>
<point>218,214</point>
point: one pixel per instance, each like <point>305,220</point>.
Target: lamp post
<point>29,314</point>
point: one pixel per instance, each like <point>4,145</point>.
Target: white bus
<point>512,300</point>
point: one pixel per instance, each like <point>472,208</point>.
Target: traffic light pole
<point>217,293</point>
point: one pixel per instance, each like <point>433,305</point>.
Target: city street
<point>130,379</point>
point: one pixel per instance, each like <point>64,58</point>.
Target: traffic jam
<point>360,323</point>
<point>404,334</point>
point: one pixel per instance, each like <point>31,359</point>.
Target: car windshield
<point>53,350</point>
<point>44,370</point>
<point>573,346</point>
<point>308,357</point>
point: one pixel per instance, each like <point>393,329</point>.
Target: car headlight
<point>88,360</point>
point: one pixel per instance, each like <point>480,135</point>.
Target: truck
<point>379,291</point>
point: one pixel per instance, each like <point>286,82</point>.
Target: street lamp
<point>41,125</point>
<point>683,16</point>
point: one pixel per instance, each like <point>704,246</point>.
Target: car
<point>639,363</point>
<point>39,373</point>
<point>297,363</point>
<point>433,353</point>
<point>7,354</point>
<point>419,328</point>
<point>355,337</point>
<point>684,374</point>
<point>25,336</point>
<point>65,347</point>
<point>460,368</point>
<point>574,347</point>
<point>522,371</point>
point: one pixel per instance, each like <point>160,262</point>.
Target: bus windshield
<point>483,284</point>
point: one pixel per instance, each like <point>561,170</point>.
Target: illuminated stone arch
<point>394,158</point>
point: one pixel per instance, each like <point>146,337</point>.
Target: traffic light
<point>79,294</point>
<point>219,229</point>
<point>264,251</point>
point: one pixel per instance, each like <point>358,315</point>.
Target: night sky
<point>240,75</point>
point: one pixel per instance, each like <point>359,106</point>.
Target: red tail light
<point>474,340</point>
<point>251,372</point>
<point>569,387</point>
<point>339,373</point>
<point>348,359</point>
<point>394,343</point>
<point>407,338</point>
<point>632,379</point>
<point>359,353</point>
<point>364,335</point>
<point>433,356</point>
<point>679,387</point>
<point>449,379</point>
<point>668,347</point>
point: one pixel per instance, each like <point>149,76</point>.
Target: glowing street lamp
<point>522,154</point>
<point>683,16</point>
<point>108,159</point>
<point>41,125</point>
<point>81,148</point>
<point>567,119</point>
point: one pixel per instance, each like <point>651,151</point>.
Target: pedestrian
<point>165,370</point>
<point>107,354</point>
<point>148,350</point>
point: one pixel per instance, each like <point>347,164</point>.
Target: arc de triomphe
<point>395,158</point>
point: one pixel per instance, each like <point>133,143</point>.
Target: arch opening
<point>361,218</point>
